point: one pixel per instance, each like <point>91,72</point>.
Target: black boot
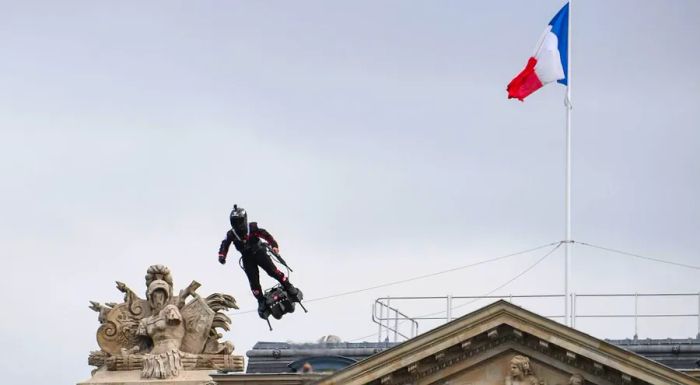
<point>294,293</point>
<point>262,308</point>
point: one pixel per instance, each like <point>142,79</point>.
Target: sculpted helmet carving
<point>159,284</point>
<point>158,272</point>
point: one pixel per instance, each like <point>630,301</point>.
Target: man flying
<point>253,243</point>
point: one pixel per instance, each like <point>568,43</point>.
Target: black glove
<point>222,259</point>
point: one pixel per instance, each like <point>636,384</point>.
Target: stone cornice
<point>387,367</point>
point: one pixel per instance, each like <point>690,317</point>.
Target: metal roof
<point>276,357</point>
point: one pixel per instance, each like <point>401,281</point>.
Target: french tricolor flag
<point>549,62</point>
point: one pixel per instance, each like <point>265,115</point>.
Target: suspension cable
<point>532,266</point>
<point>508,282</point>
<point>638,256</point>
<point>342,294</point>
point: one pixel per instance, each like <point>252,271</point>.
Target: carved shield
<point>198,318</point>
<point>119,329</point>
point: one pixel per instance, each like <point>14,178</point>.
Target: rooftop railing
<point>395,325</point>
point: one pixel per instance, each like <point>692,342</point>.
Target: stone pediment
<point>505,344</point>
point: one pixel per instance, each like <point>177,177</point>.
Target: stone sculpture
<point>520,372</point>
<point>576,379</point>
<point>164,334</point>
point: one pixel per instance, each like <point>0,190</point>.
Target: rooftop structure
<point>286,357</point>
<point>499,343</point>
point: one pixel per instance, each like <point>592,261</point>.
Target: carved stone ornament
<point>164,334</point>
<point>576,379</point>
<point>520,372</point>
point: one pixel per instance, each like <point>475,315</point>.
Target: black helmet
<point>239,221</point>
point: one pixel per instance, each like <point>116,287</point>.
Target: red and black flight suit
<point>255,254</point>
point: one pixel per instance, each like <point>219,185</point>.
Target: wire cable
<point>639,256</point>
<point>532,266</point>
<point>545,256</point>
<point>432,274</point>
<point>508,282</point>
<point>363,337</point>
<point>342,294</point>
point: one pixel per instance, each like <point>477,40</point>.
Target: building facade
<point>498,344</point>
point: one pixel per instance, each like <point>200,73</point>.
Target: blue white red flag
<point>549,62</point>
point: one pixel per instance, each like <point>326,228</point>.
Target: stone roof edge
<point>487,318</point>
<point>598,350</point>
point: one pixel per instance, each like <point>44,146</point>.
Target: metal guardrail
<point>390,320</point>
<point>380,320</point>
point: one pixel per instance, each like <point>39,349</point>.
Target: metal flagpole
<point>567,199</point>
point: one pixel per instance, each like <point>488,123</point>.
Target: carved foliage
<point>163,365</point>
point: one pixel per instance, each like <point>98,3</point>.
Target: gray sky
<point>373,139</point>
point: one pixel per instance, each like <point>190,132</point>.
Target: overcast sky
<point>373,139</point>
